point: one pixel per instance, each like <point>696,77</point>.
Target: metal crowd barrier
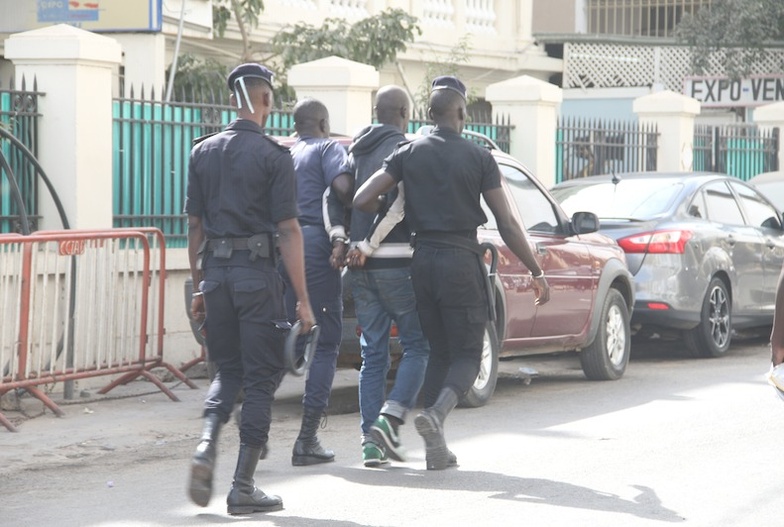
<point>79,304</point>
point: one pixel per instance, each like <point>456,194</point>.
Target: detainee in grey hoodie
<point>378,243</point>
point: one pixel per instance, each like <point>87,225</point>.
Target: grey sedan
<point>705,250</point>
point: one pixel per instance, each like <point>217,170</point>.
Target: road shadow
<point>646,504</point>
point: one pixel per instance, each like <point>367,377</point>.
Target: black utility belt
<point>447,239</point>
<point>259,245</point>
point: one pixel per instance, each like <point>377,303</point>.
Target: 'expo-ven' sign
<point>722,92</point>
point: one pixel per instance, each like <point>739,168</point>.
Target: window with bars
<point>639,18</point>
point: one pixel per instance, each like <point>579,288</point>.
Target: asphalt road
<point>675,441</point>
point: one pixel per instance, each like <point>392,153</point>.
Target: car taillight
<point>661,242</point>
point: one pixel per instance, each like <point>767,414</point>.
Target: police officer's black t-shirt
<point>240,182</point>
<point>444,175</point>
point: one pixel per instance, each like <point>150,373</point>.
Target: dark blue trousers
<point>325,292</point>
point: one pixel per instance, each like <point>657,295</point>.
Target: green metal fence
<point>152,144</point>
<point>18,116</point>
<point>588,147</point>
<point>740,150</point>
<point>499,131</point>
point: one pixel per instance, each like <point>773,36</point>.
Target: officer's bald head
<point>392,106</point>
<point>311,117</point>
<point>447,109</point>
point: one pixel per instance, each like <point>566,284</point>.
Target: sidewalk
<point>135,416</point>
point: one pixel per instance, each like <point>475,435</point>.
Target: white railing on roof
<point>480,15</point>
<point>310,5</point>
<point>348,8</point>
<point>438,13</point>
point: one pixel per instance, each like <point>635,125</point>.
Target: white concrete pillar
<point>772,116</point>
<point>344,86</point>
<point>531,105</point>
<point>144,62</point>
<point>673,115</point>
<point>74,71</point>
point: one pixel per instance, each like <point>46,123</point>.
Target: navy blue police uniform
<point>444,176</point>
<point>242,183</point>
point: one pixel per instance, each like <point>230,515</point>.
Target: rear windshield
<point>633,199</point>
<point>774,191</point>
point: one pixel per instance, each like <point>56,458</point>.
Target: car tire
<point>605,359</point>
<point>484,385</point>
<point>713,335</point>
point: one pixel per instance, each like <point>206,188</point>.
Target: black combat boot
<point>430,425</point>
<point>203,461</point>
<point>307,449</point>
<point>244,497</point>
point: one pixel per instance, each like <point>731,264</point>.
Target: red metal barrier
<point>79,304</point>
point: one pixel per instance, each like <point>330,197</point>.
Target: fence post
<point>673,116</point>
<point>344,86</point>
<point>532,107</point>
<point>772,116</point>
<point>74,70</point>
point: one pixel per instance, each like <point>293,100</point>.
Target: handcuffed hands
<point>338,258</point>
<point>355,259</point>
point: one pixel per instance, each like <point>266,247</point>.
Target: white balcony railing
<point>438,13</point>
<point>348,8</point>
<point>480,16</point>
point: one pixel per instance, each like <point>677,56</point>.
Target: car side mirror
<point>585,222</point>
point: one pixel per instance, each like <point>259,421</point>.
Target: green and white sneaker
<point>373,455</point>
<point>384,431</point>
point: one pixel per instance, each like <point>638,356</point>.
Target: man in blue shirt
<point>321,166</point>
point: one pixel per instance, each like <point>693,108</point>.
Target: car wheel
<point>484,385</point>
<point>605,359</point>
<point>712,336</point>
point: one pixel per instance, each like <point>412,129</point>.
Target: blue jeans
<point>381,296</point>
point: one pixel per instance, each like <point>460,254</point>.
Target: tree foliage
<point>199,78</point>
<point>449,66</point>
<point>246,14</point>
<point>741,29</point>
<point>374,40</point>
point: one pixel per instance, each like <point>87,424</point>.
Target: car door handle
<point>731,240</point>
<point>541,248</point>
<point>769,243</point>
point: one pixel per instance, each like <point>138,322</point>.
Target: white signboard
<point>722,92</point>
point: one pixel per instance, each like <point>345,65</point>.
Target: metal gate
<point>740,150</point>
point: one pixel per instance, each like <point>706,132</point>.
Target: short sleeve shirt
<point>317,162</point>
<point>444,176</point>
<point>240,182</point>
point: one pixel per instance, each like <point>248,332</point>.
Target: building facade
<point>498,34</point>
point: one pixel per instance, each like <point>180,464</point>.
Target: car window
<point>721,204</point>
<point>628,199</point>
<point>758,212</point>
<point>535,209</point>
<point>697,207</point>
